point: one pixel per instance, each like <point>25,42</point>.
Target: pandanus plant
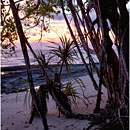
<point>67,55</point>
<point>65,52</point>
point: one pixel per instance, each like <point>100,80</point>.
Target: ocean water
<point>17,58</point>
<point>14,76</point>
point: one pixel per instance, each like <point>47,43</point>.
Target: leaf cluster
<point>72,88</point>
<point>39,12</point>
<point>65,51</point>
<point>8,28</point>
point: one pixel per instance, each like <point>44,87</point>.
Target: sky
<point>57,26</point>
<point>128,6</point>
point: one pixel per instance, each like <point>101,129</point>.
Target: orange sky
<point>56,27</point>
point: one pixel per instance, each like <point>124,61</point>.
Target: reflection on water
<point>2,73</point>
<point>18,60</point>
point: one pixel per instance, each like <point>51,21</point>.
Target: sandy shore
<point>15,115</point>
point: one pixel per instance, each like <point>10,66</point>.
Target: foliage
<point>34,13</point>
<point>75,92</point>
<point>8,30</point>
<point>65,51</point>
<point>42,59</point>
<point>39,13</point>
<point>27,98</point>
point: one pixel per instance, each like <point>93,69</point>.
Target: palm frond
<point>65,52</point>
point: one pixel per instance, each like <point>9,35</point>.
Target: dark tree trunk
<point>120,27</point>
<point>42,95</point>
<point>25,53</point>
<point>114,73</point>
<point>73,37</point>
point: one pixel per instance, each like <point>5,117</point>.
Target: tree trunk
<point>42,95</point>
<point>24,49</point>
<point>114,69</point>
<point>73,37</point>
<point>120,25</point>
<point>61,100</point>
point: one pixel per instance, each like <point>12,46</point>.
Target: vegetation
<point>112,67</point>
<point>66,52</point>
<point>109,29</point>
<point>8,31</point>
<point>71,90</point>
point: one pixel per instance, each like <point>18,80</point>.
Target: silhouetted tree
<point>111,20</point>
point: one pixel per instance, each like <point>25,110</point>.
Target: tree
<point>113,73</point>
<point>111,20</point>
<point>25,53</point>
<point>8,30</point>
<point>65,52</point>
<point>60,98</point>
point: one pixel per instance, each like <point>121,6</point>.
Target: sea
<point>14,76</point>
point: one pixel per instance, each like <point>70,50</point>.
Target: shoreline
<point>14,79</point>
<point>15,116</point>
<point>13,68</point>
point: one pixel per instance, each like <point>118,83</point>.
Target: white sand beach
<point>15,115</point>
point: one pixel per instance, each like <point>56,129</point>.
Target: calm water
<point>14,72</point>
<point>18,60</point>
<point>14,78</point>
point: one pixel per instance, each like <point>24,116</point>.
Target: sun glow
<point>57,28</point>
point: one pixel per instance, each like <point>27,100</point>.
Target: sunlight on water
<point>2,73</point>
<point>18,60</point>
